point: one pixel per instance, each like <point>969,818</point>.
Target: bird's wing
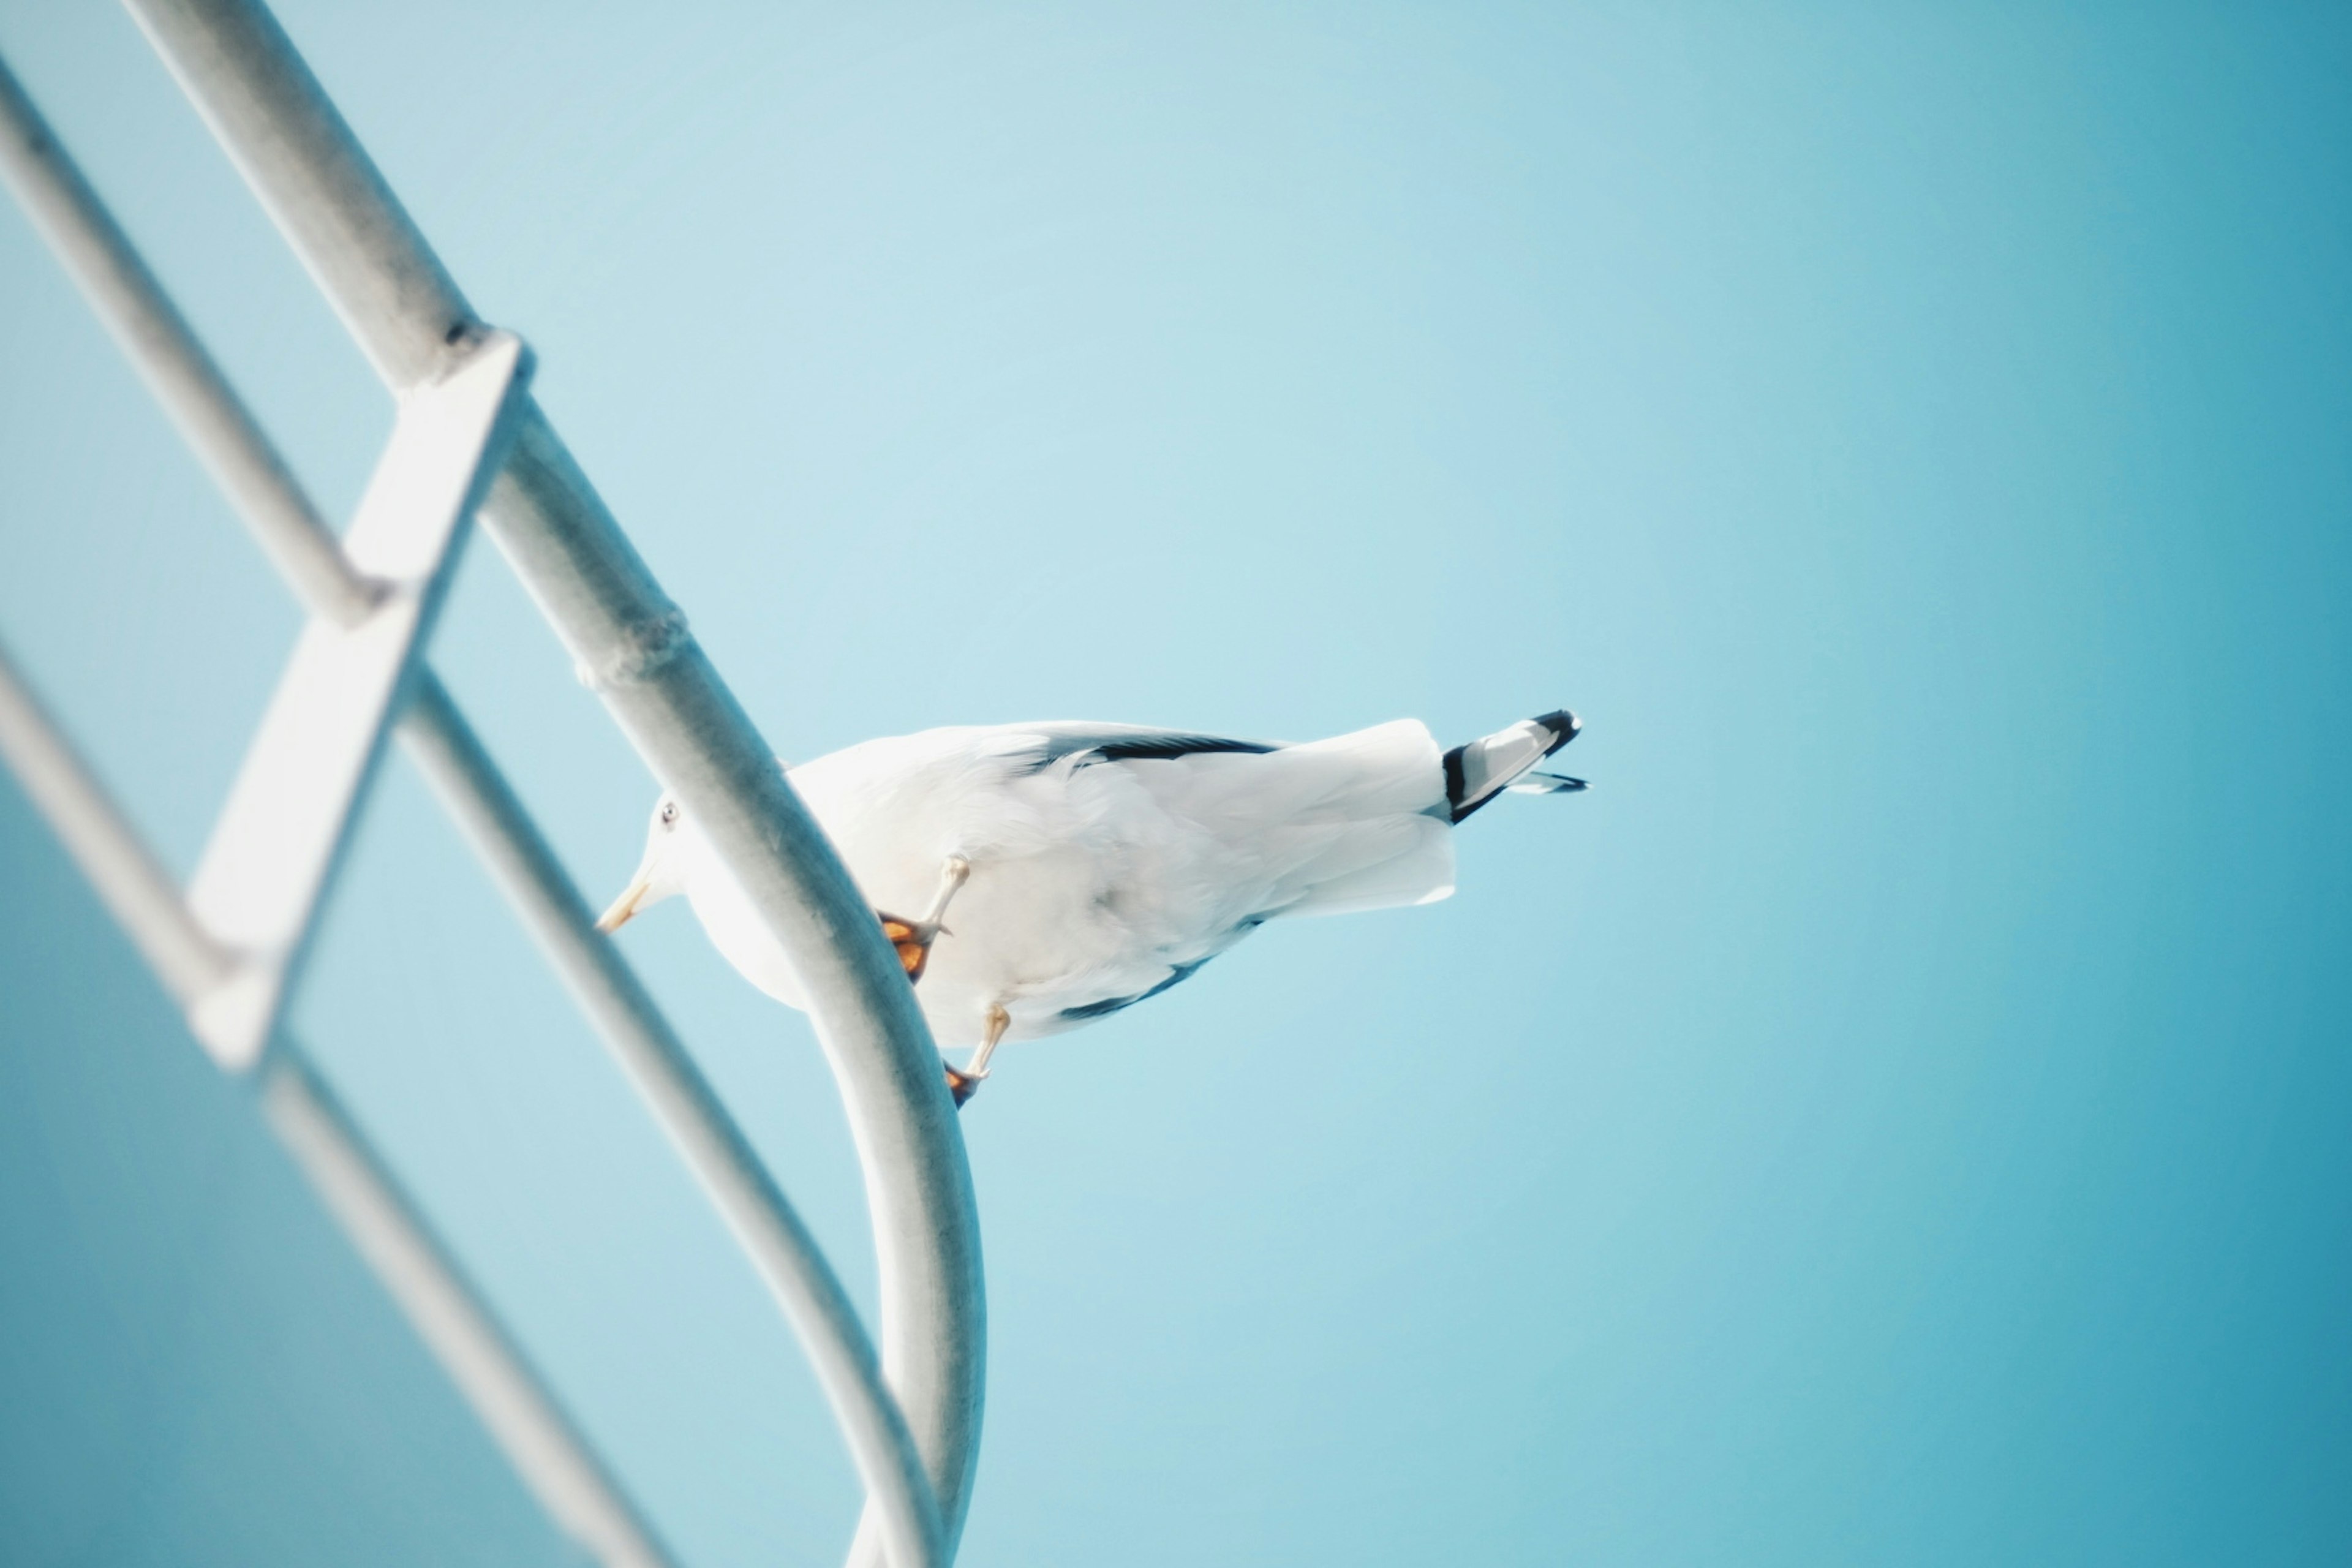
<point>1043,745</point>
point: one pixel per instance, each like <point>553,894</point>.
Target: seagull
<point>1092,866</point>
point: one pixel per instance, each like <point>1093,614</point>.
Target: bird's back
<point>1111,860</point>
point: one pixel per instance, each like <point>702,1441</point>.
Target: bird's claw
<point>964,1082</point>
<point>913,940</point>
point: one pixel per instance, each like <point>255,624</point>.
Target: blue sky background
<point>1897,1116</point>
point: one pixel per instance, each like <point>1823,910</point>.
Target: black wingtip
<point>1563,725</point>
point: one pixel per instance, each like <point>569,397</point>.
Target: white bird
<point>1092,866</point>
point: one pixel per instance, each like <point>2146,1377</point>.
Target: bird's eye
<point>669,814</point>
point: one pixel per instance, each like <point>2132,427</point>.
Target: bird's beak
<point>626,906</point>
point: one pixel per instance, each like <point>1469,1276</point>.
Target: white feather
<point>1093,881</point>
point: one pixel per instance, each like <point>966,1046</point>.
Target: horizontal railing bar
<point>449,1315</point>
<point>632,645</point>
<point>763,1221</point>
<point>112,276</point>
<point>458,1327</point>
<point>315,182</point>
<point>131,883</point>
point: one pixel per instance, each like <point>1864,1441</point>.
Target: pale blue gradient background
<point>1898,1116</point>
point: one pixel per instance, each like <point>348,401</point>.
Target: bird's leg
<point>913,939</point>
<point>965,1084</point>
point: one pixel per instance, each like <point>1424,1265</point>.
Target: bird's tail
<point>1477,773</point>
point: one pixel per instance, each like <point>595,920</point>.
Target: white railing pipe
<point>178,371</point>
<point>632,645</point>
<point>132,885</point>
<point>525,1419</point>
<point>764,1223</point>
<point>95,252</point>
<point>449,1315</point>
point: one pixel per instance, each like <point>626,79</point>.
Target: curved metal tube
<point>224,433</point>
<point>763,1221</point>
<point>660,685</point>
<point>632,645</point>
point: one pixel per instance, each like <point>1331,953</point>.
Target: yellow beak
<point>625,907</point>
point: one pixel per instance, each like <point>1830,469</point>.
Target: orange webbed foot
<point>913,940</point>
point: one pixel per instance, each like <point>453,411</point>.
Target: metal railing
<point>468,439</point>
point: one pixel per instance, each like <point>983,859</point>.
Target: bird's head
<point>661,874</point>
